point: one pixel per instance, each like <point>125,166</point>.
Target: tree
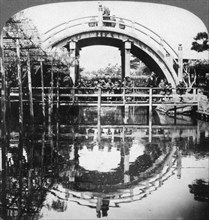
<point>134,62</point>
<point>113,71</point>
<point>189,79</point>
<point>201,42</point>
<point>22,29</point>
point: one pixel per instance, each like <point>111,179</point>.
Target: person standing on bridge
<point>127,85</point>
<point>181,89</point>
<point>117,89</point>
<point>162,86</point>
<point>106,16</point>
<point>67,81</point>
<point>151,81</point>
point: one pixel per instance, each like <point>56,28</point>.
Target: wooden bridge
<point>99,97</point>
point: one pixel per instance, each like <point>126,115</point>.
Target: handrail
<point>146,96</point>
<point>76,19</point>
<point>95,88</point>
<point>15,89</point>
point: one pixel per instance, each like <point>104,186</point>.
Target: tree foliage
<point>20,28</point>
<point>138,68</point>
<point>111,70</point>
<point>201,42</point>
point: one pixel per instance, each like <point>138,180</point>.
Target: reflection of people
<point>98,207</point>
<point>105,207</point>
<point>102,205</point>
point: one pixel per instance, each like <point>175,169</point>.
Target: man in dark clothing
<point>67,81</point>
<point>151,81</point>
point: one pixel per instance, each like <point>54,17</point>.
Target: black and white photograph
<point>104,110</point>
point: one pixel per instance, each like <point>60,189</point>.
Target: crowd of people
<point>165,88</point>
<point>109,85</point>
<point>117,86</point>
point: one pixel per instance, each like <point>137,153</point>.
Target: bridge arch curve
<point>145,44</point>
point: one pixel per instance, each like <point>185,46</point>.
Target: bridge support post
<point>125,59</point>
<point>122,64</point>
<point>180,62</point>
<point>72,54</point>
<point>126,168</point>
<point>77,67</point>
<point>125,157</point>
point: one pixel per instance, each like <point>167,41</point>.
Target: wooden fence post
<point>124,96</point>
<point>99,115</point>
<point>43,140</point>
<point>19,75</point>
<point>57,104</point>
<point>3,89</point>
<point>3,128</point>
<point>99,101</point>
<point>150,114</point>
<point>30,86</point>
<point>20,146</point>
<point>150,102</point>
<point>50,110</point>
<point>42,88</point>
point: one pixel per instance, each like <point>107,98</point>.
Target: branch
<point>195,77</point>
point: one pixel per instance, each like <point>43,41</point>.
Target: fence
<point>88,96</point>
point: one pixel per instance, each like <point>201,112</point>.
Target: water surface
<point>118,165</point>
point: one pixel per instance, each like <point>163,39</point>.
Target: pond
<point>118,165</point>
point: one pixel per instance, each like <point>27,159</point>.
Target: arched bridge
<point>128,36</point>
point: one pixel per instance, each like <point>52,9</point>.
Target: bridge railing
<point>122,24</point>
<point>91,96</point>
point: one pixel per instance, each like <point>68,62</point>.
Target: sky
<point>175,25</point>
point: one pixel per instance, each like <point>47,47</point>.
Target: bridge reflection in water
<point>116,166</point>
